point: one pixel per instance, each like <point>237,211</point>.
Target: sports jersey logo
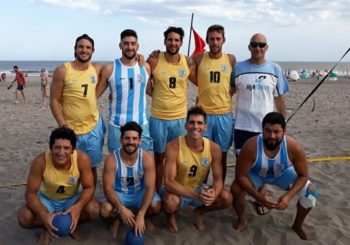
<point>140,78</point>
<point>259,79</point>
<point>182,72</point>
<point>72,180</point>
<point>205,162</point>
<point>92,79</point>
<point>223,68</point>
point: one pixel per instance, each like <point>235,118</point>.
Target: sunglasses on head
<point>257,44</point>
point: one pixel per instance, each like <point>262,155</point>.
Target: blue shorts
<point>185,201</point>
<point>114,137</point>
<point>92,142</point>
<point>240,137</point>
<point>54,206</point>
<point>164,131</point>
<point>133,201</point>
<point>220,128</point>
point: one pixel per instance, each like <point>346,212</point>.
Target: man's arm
<point>150,182</point>
<point>193,64</point>
<point>170,166</point>
<point>216,168</point>
<point>102,84</point>
<point>152,61</point>
<point>232,60</point>
<point>280,105</point>
<point>56,91</point>
<point>297,156</point>
<point>87,183</point>
<point>31,194</point>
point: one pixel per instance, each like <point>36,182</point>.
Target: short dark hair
<point>131,126</point>
<point>196,110</point>
<point>274,118</point>
<point>87,37</point>
<point>15,67</point>
<point>218,28</point>
<point>128,33</point>
<point>177,30</point>
<point>63,133</point>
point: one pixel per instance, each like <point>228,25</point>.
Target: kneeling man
<point>277,159</point>
<point>53,187</point>
<point>129,179</point>
<point>188,160</point>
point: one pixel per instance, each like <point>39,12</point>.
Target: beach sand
<point>324,132</point>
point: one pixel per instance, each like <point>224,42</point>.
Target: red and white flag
<point>199,43</point>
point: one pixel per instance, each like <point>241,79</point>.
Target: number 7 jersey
<point>169,99</point>
<point>79,99</point>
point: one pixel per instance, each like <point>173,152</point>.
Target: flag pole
<point>189,40</point>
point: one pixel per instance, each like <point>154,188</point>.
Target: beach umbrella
<point>294,75</point>
<point>304,75</point>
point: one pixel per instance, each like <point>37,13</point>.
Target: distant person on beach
<point>44,78</point>
<point>3,77</point>
<point>129,178</point>
<point>168,89</point>
<point>53,187</point>
<point>127,80</point>
<point>21,83</point>
<point>213,72</point>
<point>73,100</point>
<point>260,86</point>
<point>277,159</point>
<point>188,160</point>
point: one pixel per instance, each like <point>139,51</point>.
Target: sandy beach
<point>324,132</point>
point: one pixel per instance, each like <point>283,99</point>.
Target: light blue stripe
<point>119,91</point>
<point>284,154</point>
<point>131,94</point>
<point>142,107</point>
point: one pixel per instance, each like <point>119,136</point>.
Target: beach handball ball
<point>62,223</point>
<point>132,239</point>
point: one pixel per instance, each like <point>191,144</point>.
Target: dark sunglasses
<point>260,45</point>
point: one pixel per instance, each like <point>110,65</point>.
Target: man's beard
<point>81,60</point>
<point>272,146</point>
<point>127,151</point>
<point>129,57</point>
<point>168,50</point>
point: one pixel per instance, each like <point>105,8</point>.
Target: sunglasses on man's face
<point>257,44</point>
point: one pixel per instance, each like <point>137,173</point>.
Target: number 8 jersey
<point>192,167</point>
<point>79,99</point>
<point>169,99</point>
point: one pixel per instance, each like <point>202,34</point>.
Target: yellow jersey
<point>60,184</point>
<point>169,99</point>
<point>192,167</point>
<point>79,105</point>
<point>214,84</point>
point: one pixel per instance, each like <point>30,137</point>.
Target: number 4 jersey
<point>79,99</point>
<point>192,167</point>
<point>169,100</point>
<point>60,184</point>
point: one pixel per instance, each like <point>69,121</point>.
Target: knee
<point>25,217</point>
<point>105,210</point>
<point>155,208</point>
<point>311,194</point>
<point>226,198</point>
<point>236,189</point>
<point>171,202</point>
<point>93,209</point>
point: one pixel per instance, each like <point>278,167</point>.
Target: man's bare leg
<point>172,226</point>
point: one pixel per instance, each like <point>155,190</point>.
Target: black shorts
<point>241,136</point>
<point>20,87</point>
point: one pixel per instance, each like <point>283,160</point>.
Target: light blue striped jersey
<point>271,167</point>
<point>127,86</point>
<point>128,179</point>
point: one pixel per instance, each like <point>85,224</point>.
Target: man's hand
<point>283,202</point>
<point>140,59</point>
<point>207,195</point>
<point>263,199</point>
<point>140,225</point>
<point>154,54</point>
<point>74,211</point>
<point>47,222</point>
<point>128,216</point>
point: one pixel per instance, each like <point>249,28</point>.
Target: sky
<point>296,30</point>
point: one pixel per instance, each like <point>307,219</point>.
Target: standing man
<point>127,82</point>
<point>129,183</point>
<point>53,187</point>
<point>213,74</point>
<point>188,160</point>
<point>168,89</point>
<point>21,82</point>
<point>260,86</point>
<point>73,100</point>
<point>274,158</point>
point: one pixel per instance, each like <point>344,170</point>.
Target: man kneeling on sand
<point>267,159</point>
<point>188,160</point>
<point>53,187</point>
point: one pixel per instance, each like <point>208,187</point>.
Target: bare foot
<point>303,234</point>
<point>240,225</point>
<point>149,225</point>
<point>44,238</point>
<point>198,219</point>
<point>172,226</point>
<point>75,235</point>
<point>113,230</point>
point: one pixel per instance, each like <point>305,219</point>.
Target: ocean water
<point>34,66</point>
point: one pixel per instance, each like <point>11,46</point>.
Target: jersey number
<point>60,189</point>
<point>193,171</point>
<point>214,77</point>
<point>130,181</point>
<point>85,86</point>
<point>172,82</point>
